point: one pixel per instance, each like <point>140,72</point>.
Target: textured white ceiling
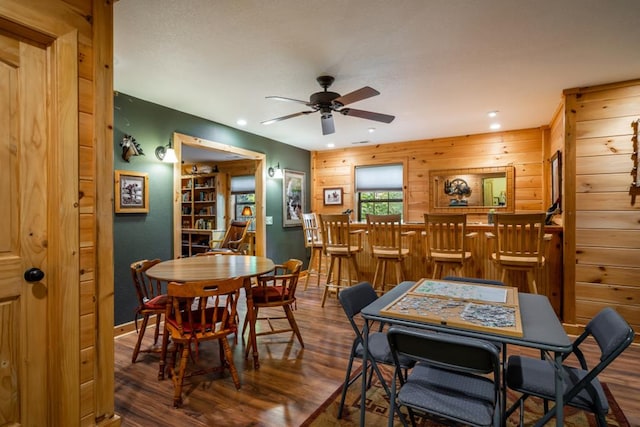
<point>440,66</point>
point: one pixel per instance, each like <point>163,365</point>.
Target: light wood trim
<point>261,191</point>
<point>63,217</point>
<point>569,209</point>
<point>103,413</point>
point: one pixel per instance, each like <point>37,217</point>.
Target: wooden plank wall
<point>607,224</point>
<point>81,393</point>
<point>522,149</point>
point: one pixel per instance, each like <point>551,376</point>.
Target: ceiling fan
<point>327,102</point>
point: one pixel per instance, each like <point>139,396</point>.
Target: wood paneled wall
<point>602,260</point>
<point>80,315</point>
<point>522,149</point>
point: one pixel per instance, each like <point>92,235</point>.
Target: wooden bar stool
<point>520,244</point>
<point>446,242</point>
<point>313,241</point>
<point>338,245</point>
<point>385,239</point>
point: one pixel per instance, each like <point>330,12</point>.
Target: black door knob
<point>33,275</point>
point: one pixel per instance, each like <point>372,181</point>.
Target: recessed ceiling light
<point>492,113</point>
<point>331,145</point>
<point>372,130</point>
<point>241,122</point>
<point>495,126</point>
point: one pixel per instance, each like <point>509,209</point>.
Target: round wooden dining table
<point>198,268</point>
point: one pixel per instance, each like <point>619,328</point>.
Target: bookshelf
<point>202,210</point>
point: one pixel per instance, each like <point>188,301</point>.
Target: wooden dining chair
<point>386,240</point>
<point>446,242</point>
<point>519,244</point>
<point>151,302</point>
<point>234,238</point>
<point>341,245</point>
<point>312,241</point>
<point>197,312</point>
<point>276,289</point>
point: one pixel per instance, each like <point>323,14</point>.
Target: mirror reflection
<point>479,188</point>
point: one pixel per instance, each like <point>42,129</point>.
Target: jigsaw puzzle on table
<point>486,308</point>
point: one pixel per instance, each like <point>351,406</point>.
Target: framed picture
<point>333,196</point>
<point>131,192</point>
<point>556,179</point>
<point>292,197</point>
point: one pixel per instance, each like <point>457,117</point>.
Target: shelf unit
<point>202,210</point>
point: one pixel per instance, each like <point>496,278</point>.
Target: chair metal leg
<point>347,382</point>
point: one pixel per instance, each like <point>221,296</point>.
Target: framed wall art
<point>333,196</point>
<point>293,196</point>
<point>131,192</point>
<point>556,179</point>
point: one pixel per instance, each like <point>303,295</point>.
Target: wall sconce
<point>130,148</point>
<point>246,211</point>
<point>166,154</point>
<point>276,172</point>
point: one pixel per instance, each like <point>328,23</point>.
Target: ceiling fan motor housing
<point>323,99</point>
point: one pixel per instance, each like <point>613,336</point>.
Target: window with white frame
<point>379,190</point>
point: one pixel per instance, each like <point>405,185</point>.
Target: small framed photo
<point>333,196</point>
<point>131,192</point>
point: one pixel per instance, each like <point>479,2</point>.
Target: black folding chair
<point>353,299</point>
<point>536,377</point>
<point>456,378</point>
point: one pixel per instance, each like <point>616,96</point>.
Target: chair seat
<point>537,377</point>
<point>269,294</point>
<point>438,391</point>
<point>391,253</point>
<point>157,303</point>
<point>343,251</point>
<point>447,257</point>
<point>197,327</point>
<point>379,349</point>
<point>524,262</point>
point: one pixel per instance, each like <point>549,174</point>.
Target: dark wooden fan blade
<point>356,95</point>
<point>327,124</point>
<point>282,98</point>
<point>268,122</point>
<point>378,117</point>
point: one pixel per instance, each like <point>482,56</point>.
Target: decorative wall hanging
<point>458,188</point>
<point>293,198</point>
<point>634,189</point>
<point>131,192</point>
<point>556,179</point>
<point>130,148</point>
<point>333,196</point>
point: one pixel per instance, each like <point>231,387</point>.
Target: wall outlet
<point>268,220</point>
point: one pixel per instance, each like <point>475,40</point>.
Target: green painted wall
<point>149,236</point>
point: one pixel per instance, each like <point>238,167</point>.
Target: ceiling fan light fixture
<point>328,102</point>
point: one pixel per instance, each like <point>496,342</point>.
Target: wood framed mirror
<point>472,190</point>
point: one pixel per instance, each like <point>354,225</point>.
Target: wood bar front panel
<point>549,279</point>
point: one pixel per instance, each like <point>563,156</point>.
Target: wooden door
<point>23,233</point>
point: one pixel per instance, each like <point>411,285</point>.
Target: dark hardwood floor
<point>291,381</point>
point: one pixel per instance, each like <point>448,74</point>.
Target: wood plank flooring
<point>291,381</point>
